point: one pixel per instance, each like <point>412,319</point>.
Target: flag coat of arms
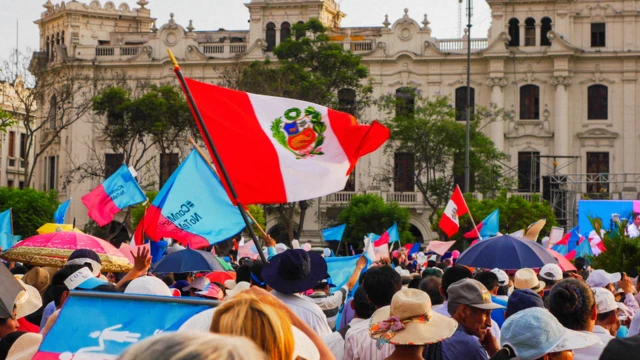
<point>299,150</point>
<point>455,208</point>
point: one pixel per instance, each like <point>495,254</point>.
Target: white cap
<point>148,285</point>
<point>503,278</point>
<point>605,301</point>
<point>551,272</point>
<point>199,283</point>
<point>601,278</point>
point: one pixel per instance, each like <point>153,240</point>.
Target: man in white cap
<point>607,323</point>
<point>503,284</point>
<point>550,274</point>
<point>602,279</point>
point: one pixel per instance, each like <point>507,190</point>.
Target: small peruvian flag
<point>456,207</point>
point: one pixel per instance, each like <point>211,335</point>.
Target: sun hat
<point>410,321</point>
<point>503,278</point>
<point>522,300</point>
<point>148,285</point>
<point>37,277</point>
<point>241,286</point>
<point>199,283</point>
<point>212,292</point>
<point>534,332</point>
<point>26,347</point>
<point>294,271</point>
<point>28,300</point>
<point>600,278</point>
<point>551,272</point>
<point>605,301</point>
<point>471,292</point>
<point>526,278</point>
<point>83,279</point>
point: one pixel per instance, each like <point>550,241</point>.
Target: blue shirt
<point>498,314</point>
<point>463,346</point>
<point>46,313</point>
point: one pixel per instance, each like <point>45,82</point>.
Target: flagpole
<point>474,225</point>
<point>214,151</point>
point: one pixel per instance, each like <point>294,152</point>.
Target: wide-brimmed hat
<point>26,347</point>
<point>28,301</point>
<point>534,332</point>
<point>409,320</point>
<point>294,271</point>
<point>527,279</point>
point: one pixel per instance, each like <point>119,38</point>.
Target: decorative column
<point>496,128</point>
<point>629,123</point>
<point>561,119</point>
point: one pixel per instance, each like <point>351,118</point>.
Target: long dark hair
<point>571,301</point>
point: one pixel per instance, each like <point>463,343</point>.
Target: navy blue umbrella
<point>188,260</point>
<point>507,253</point>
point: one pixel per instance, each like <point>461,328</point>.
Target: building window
<point>597,102</point>
<point>347,101</point>
<point>403,171</point>
<point>52,172</point>
<point>597,172</point>
<point>53,112</point>
<point>514,32</point>
<point>530,32</point>
<point>285,31</point>
<point>271,36</point>
<point>461,102</point>
<point>405,101</point>
<point>529,102</point>
<point>598,32</point>
<point>351,181</point>
<point>529,171</point>
<point>10,183</point>
<point>168,164</point>
<point>300,33</point>
<point>21,184</point>
<point>112,162</point>
<point>47,47</point>
<point>12,144</point>
<point>23,149</point>
<point>544,32</point>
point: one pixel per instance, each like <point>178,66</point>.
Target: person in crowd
<point>447,263</point>
<point>582,265</point>
<point>60,291</point>
<point>8,325</point>
<point>409,324</point>
<point>168,279</point>
<point>200,283</point>
<point>40,279</point>
<point>24,346</point>
<point>550,274</point>
<point>330,303</point>
<point>347,312</point>
<point>88,258</point>
<point>633,229</point>
<point>503,284</point>
<point>622,348</point>
<point>491,282</point>
<point>431,285</point>
<point>534,334</point>
<point>214,292</point>
<point>380,284</point>
<point>521,300</point>
<point>527,279</point>
<point>148,285</point>
<point>27,302</point>
<point>189,346</point>
<point>432,271</point>
<point>289,274</point>
<point>415,281</point>
<point>256,274</point>
<point>607,322</point>
<point>602,279</point>
<point>111,278</point>
<point>363,310</point>
<point>469,303</point>
<point>572,302</point>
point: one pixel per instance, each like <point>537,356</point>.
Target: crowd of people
<point>289,308</point>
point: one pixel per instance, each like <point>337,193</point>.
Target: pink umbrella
<point>565,264</point>
<point>53,249</point>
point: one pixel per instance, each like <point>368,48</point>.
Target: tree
<point>312,69</point>
<point>370,214</point>
<point>427,128</point>
<point>623,252</point>
<point>30,208</point>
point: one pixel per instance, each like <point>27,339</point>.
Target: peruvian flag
<point>299,150</point>
<point>456,207</point>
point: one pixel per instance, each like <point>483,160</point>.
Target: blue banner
<point>334,233</point>
<point>61,213</point>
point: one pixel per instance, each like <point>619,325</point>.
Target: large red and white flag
<point>456,207</point>
<point>279,150</point>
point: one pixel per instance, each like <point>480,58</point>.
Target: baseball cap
<point>503,278</point>
<point>526,278</point>
<point>605,301</point>
<point>600,278</point>
<point>148,285</point>
<point>534,332</point>
<point>551,272</point>
<point>521,300</point>
<point>471,292</point>
<point>199,283</point>
<point>83,279</point>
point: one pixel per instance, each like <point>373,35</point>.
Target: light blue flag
<point>6,225</point>
<point>334,233</point>
<point>7,241</point>
<point>61,213</point>
<point>373,236</point>
<point>394,236</point>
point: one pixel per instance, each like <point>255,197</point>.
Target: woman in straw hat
<point>409,324</point>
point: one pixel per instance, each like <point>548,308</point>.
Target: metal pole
<point>468,122</point>
<point>209,140</point>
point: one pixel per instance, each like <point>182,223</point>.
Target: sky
<point>233,15</point>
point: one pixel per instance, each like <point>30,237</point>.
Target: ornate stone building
<point>567,70</point>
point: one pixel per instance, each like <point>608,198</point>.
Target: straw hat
<point>37,277</point>
<point>410,321</point>
<point>526,278</point>
<point>26,347</point>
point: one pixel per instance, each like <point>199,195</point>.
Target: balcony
<point>223,49</point>
<point>460,45</point>
<point>117,51</point>
<point>406,199</point>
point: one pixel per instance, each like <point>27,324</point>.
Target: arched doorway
<point>417,234</point>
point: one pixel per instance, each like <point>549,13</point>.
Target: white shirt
<point>335,343</point>
<point>592,352</point>
<point>632,230</point>
<point>330,304</point>
<point>358,345</point>
<point>306,311</point>
<point>603,334</point>
<point>495,329</point>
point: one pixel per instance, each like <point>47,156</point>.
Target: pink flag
<point>247,249</point>
<point>127,249</point>
<point>440,247</point>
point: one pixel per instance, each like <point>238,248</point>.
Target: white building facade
<point>567,71</point>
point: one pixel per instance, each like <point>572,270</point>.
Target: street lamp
<point>468,105</point>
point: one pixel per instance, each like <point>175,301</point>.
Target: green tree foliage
<point>370,214</point>
<point>31,208</point>
<point>258,214</point>
<point>623,252</point>
<point>137,212</point>
<point>427,128</point>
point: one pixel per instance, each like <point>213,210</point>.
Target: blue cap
<point>91,284</point>
<point>523,299</point>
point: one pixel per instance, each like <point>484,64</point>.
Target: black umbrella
<point>188,260</point>
<point>10,290</point>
